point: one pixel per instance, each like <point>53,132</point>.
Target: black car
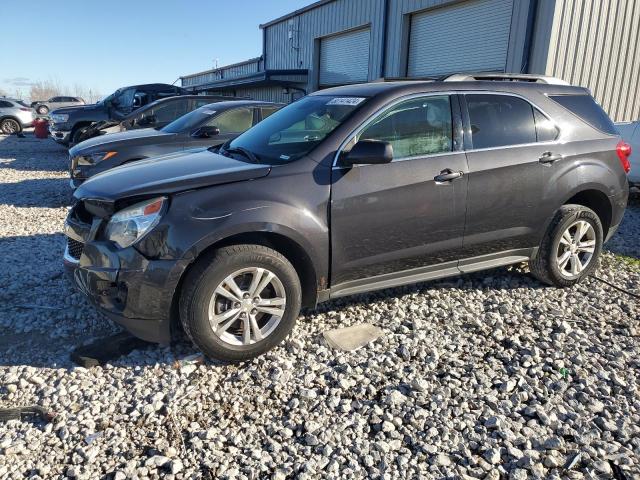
<point>66,123</point>
<point>348,190</point>
<point>207,126</point>
<point>153,115</point>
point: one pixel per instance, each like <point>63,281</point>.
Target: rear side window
<point>546,131</point>
<point>233,121</point>
<point>586,108</point>
<point>4,104</point>
<point>500,120</point>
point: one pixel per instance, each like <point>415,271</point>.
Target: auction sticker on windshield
<point>346,101</point>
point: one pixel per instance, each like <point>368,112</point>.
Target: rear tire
<point>9,126</point>
<point>571,247</point>
<point>236,324</point>
<point>42,110</point>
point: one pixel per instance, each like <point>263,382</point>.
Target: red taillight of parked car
<point>25,109</point>
<point>624,152</point>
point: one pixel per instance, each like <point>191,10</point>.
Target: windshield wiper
<point>243,151</point>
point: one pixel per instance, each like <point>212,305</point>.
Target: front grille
<point>74,248</point>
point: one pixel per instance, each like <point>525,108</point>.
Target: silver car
<point>44,108</point>
<point>14,115</point>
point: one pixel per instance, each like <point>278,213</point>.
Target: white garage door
<point>344,58</point>
<point>471,36</point>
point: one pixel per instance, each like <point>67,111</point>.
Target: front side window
<point>268,111</point>
<point>295,130</point>
<point>197,103</point>
<point>417,127</point>
<point>233,121</point>
<point>165,112</point>
<point>4,104</point>
<point>500,120</point>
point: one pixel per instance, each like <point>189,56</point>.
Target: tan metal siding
<point>596,44</point>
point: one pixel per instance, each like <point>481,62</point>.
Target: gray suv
<point>348,190</point>
<point>15,116</point>
<point>43,108</point>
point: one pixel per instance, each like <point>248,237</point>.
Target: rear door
<point>398,216</point>
<point>510,143</point>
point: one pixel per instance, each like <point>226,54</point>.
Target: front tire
<point>240,302</point>
<point>9,126</point>
<point>571,248</point>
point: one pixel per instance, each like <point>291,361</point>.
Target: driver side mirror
<point>368,152</point>
<point>205,132</point>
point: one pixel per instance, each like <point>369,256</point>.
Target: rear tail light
<point>25,109</point>
<point>624,152</point>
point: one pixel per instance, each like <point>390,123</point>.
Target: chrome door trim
<point>371,118</point>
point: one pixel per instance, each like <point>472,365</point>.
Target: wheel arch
<point>597,201</point>
<point>292,250</point>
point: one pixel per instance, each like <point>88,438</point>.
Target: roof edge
<point>317,4</point>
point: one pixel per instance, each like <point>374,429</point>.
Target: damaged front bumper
<point>123,284</point>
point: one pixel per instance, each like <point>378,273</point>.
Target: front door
<point>409,214</point>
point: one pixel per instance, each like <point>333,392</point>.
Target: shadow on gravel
<point>625,241</point>
<point>38,192</point>
<point>31,153</point>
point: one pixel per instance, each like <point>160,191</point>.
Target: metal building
<point>593,43</point>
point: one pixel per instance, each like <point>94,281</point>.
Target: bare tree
<point>3,93</point>
<point>44,90</point>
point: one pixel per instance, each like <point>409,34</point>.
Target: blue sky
<point>104,45</point>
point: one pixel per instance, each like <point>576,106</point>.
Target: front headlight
<point>93,158</point>
<point>132,223</point>
<point>59,117</point>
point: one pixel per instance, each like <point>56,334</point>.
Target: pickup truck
<point>66,123</point>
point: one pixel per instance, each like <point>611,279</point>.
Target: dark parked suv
<point>153,115</point>
<point>347,190</point>
<point>207,126</point>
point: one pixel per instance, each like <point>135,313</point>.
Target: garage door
<point>471,36</point>
<point>344,58</point>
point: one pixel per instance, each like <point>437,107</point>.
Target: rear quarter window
<point>586,108</point>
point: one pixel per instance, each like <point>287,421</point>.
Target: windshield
<point>295,130</point>
<point>191,120</point>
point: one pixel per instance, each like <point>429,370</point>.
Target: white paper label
<point>346,101</point>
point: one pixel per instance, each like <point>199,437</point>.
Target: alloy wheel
<point>576,248</point>
<point>247,306</point>
<point>9,127</point>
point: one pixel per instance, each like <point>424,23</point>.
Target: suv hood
<point>79,108</point>
<point>119,139</point>
<point>168,174</point>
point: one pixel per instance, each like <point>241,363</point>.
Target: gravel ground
<point>489,375</point>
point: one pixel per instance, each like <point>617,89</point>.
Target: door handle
<point>548,157</point>
<point>447,175</point>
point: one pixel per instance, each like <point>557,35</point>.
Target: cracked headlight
<point>132,223</point>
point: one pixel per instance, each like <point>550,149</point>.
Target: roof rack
<point>503,77</point>
<point>404,79</point>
